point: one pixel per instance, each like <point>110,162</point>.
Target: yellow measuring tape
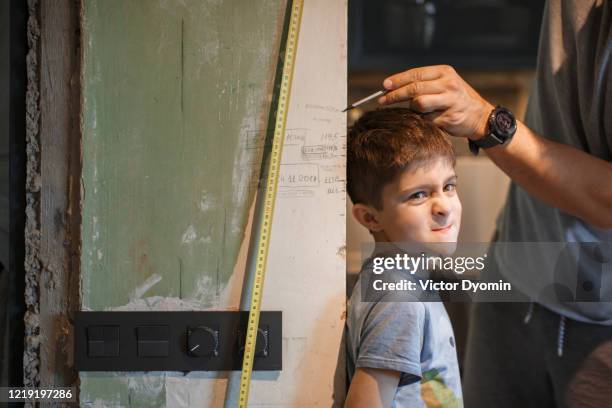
<point>269,200</point>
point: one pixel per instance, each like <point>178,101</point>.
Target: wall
<point>167,178</point>
<point>176,98</point>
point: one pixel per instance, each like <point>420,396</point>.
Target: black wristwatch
<point>500,129</point>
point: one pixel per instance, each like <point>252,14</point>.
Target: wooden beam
<point>53,189</point>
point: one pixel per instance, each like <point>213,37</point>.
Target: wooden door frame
<point>53,190</point>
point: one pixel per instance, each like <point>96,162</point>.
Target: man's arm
<point>562,176</point>
<point>372,387</point>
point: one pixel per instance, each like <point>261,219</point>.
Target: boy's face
<point>421,206</point>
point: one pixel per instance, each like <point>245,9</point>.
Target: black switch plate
<point>153,341</point>
<point>157,341</point>
<point>102,341</point>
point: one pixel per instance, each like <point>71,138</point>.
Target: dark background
<point>13,46</point>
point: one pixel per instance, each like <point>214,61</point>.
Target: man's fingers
<point>412,90</point>
<point>432,116</point>
<point>430,103</point>
<point>416,75</point>
<point>437,118</point>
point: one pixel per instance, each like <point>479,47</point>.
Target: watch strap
<point>489,140</point>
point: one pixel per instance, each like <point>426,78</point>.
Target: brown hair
<point>384,143</point>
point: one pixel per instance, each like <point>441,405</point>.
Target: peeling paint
<point>134,389</point>
<point>203,298</point>
<point>96,229</point>
<point>189,235</point>
<point>145,286</point>
<point>341,252</point>
<point>207,202</point>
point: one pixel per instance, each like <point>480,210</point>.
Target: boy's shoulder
<point>392,285</point>
<point>383,307</point>
<point>389,309</point>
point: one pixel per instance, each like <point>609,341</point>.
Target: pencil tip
<point>346,109</point>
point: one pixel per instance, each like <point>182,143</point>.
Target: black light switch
<point>153,341</point>
<point>103,341</point>
<point>174,341</point>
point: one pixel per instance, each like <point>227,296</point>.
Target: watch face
<point>505,124</point>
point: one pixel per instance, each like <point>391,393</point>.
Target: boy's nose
<point>441,207</point>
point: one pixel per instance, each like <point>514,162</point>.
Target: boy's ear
<point>367,216</point>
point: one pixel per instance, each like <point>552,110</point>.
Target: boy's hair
<point>384,143</point>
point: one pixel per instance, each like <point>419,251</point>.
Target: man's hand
<point>560,175</point>
<point>444,98</point>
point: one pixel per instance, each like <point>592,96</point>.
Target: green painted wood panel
<point>176,94</point>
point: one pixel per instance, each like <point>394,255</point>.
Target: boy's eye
<point>418,195</point>
<point>450,187</point>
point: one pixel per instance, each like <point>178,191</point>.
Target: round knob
<point>203,341</point>
<point>261,345</point>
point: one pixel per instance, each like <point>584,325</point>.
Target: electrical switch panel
<point>173,341</point>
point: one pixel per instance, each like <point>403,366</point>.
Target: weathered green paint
<point>174,94</point>
<point>171,95</point>
<point>127,390</point>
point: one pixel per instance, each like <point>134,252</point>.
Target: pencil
<point>367,98</point>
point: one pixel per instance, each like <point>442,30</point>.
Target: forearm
<point>372,388</point>
<point>559,175</point>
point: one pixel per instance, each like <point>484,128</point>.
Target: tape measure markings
<point>269,200</point>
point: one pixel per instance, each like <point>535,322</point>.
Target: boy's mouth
<point>443,229</point>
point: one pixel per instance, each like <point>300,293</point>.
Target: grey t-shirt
<point>571,103</point>
<point>414,338</point>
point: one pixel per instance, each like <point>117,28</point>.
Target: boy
<point>401,180</point>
